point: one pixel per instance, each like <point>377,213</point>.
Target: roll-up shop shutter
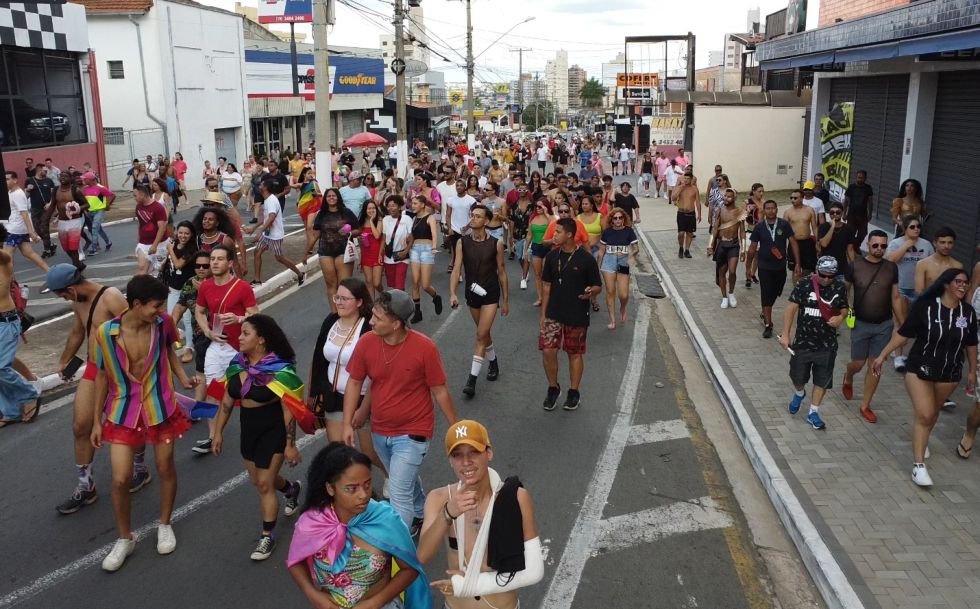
<point>351,123</point>
<point>879,132</point>
<point>951,196</point>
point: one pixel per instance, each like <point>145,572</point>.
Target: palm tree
<point>592,94</point>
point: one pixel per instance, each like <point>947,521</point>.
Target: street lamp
<point>470,64</point>
<point>512,28</point>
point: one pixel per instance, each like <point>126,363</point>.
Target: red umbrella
<point>365,138</point>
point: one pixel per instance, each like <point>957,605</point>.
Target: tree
<point>593,94</point>
<point>536,114</point>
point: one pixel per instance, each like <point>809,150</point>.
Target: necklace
<point>395,356</point>
<point>561,268</point>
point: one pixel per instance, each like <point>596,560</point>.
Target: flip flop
<point>847,390</point>
<point>962,452</point>
<point>30,415</point>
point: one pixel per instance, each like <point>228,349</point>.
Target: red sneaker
<point>869,415</point>
<point>847,390</point>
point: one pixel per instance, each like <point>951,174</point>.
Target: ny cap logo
<point>461,432</point>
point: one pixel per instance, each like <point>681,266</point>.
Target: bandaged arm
<point>487,581</point>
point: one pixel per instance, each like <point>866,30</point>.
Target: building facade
<point>556,78</point>
<point>576,80</point>
<point>904,83</point>
<point>49,102</point>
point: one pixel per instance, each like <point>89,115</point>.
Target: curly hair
<point>275,339</point>
<point>327,466</point>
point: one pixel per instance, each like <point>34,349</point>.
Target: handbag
<point>327,400</point>
<point>390,245</point>
<point>826,312</point>
<point>352,252</point>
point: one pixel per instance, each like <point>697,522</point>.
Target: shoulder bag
<point>327,400</point>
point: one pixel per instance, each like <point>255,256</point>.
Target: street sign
<point>414,67</point>
<point>398,66</point>
<point>638,79</point>
<point>640,93</point>
<point>285,11</point>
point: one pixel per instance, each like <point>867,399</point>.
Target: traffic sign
<point>398,66</point>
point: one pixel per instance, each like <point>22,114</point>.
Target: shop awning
<point>952,41</point>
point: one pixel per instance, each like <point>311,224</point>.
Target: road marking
<point>660,431</point>
<point>628,530</point>
<point>568,574</point>
<point>95,557</point>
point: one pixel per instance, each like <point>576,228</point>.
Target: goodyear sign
<point>267,74</point>
<point>638,79</point>
<point>501,89</point>
<point>358,80</point>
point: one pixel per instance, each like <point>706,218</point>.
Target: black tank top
<point>421,229</point>
<point>480,261</point>
<point>262,395</point>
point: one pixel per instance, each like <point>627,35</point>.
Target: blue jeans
<point>15,391</point>
<point>97,230</point>
<point>402,457</point>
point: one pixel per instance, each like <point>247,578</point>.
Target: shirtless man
<point>725,245</point>
<point>457,513</point>
<point>930,268</point>
<point>70,205</point>
<point>804,222</point>
<point>688,201</point>
<point>92,305</point>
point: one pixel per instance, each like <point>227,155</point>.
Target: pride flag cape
<point>309,199</point>
<point>281,378</point>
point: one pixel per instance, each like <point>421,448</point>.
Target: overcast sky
<point>592,31</point>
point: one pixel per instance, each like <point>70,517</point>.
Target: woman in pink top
<point>180,167</point>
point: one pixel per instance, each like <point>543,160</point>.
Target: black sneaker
<point>469,390</point>
<point>572,400</point>
<point>417,317</point>
<point>687,254</point>
<point>767,333</point>
<point>748,284</point>
<point>139,480</point>
<point>437,303</point>
<point>202,447</point>
<point>79,499</point>
<point>292,498</point>
<point>552,398</point>
<point>680,252</point>
<point>493,371</point>
<point>262,551</point>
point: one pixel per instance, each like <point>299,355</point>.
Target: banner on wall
<point>285,11</point>
<point>267,74</point>
<point>836,130</point>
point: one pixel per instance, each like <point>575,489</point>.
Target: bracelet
<point>449,517</point>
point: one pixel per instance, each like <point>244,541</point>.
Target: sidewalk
<point>895,545</point>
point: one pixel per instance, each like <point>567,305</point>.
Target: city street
<point>633,505</point>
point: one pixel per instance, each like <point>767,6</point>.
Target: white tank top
<point>331,351</point>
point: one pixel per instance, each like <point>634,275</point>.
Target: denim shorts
<point>422,254</point>
<point>519,247</point>
<point>539,250</point>
<point>611,264</point>
<point>908,293</point>
<point>497,233</point>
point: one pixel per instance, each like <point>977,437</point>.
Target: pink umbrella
<point>364,139</point>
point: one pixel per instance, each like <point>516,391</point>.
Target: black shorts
<point>687,222</point>
<point>331,250</point>
<point>263,434</point>
<point>935,371</point>
<point>475,301</point>
<point>201,344</point>
<point>725,251</point>
<point>541,164</point>
<point>771,285</point>
<point>451,240</point>
<point>808,255</point>
<point>819,364</point>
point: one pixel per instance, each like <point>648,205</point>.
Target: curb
<point>284,278</point>
<point>836,590</point>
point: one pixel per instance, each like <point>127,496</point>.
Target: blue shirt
<point>355,198</point>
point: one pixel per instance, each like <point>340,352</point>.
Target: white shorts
<point>157,259</point>
<point>216,361</point>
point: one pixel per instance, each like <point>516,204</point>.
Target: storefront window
<point>258,139</point>
<point>41,102</point>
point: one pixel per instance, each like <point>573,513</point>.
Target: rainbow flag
<point>281,378</point>
<point>309,198</point>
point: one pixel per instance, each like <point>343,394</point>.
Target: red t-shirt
<point>401,394</point>
<point>239,298</point>
<point>148,216</point>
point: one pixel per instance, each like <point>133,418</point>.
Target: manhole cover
<point>650,286</point>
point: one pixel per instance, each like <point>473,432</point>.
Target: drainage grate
<point>649,285</point>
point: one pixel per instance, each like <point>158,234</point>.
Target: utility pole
<point>401,120</point>
<point>321,71</point>
<point>470,119</point>
<point>520,82</point>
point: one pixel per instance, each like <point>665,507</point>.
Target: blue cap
<point>63,275</point>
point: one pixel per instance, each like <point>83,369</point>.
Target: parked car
<point>34,126</point>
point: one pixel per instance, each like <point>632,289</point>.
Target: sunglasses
<point>618,218</point>
<point>564,211</point>
<point>823,276</point>
<point>878,246</point>
<point>913,227</point>
<point>202,266</point>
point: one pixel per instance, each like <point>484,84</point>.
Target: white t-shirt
<point>18,203</point>
<point>670,176</point>
<point>231,182</point>
<point>624,154</point>
<point>401,232</point>
<point>447,190</point>
<point>392,152</point>
<point>543,153</point>
<point>331,351</point>
<point>460,207</point>
<point>816,205</point>
<point>276,230</point>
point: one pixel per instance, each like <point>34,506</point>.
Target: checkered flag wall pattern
<point>56,27</point>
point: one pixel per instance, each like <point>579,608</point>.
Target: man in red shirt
<point>223,303</point>
<point>151,246</point>
<point>406,372</point>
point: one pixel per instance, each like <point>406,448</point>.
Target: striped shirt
<point>132,401</point>
<point>941,335</point>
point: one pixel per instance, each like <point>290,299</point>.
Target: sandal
<point>5,422</point>
<point>595,307</point>
<point>31,414</point>
<point>963,452</point>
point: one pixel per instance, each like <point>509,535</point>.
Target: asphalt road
<point>633,506</point>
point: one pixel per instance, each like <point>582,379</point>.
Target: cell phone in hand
<point>72,367</point>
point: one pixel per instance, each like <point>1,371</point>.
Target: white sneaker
<point>81,254</point>
<point>732,302</point>
<point>384,490</point>
<point>724,303</point>
<point>926,455</point>
<point>117,556</point>
<point>920,476</point>
<point>523,284</point>
<point>900,363</point>
<point>166,541</point>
